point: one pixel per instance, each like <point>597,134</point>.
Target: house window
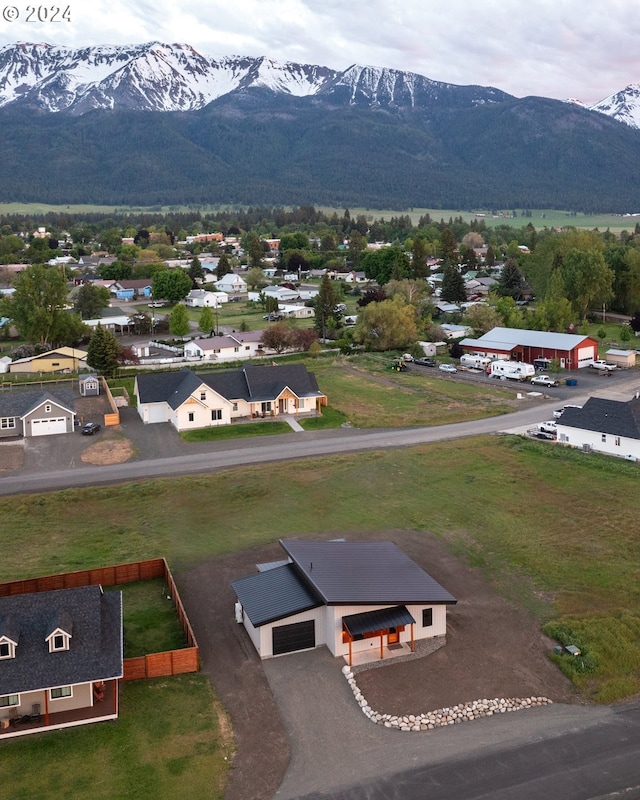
<point>216,413</point>
<point>266,406</point>
<point>59,642</point>
<point>9,700</point>
<point>7,650</point>
<point>427,617</point>
<point>191,416</point>
<point>203,395</point>
<point>47,408</point>
<point>61,691</point>
<point>604,437</point>
<point>236,349</point>
<point>616,441</point>
<point>55,363</point>
<point>235,406</point>
<point>247,347</point>
<point>301,403</point>
<point>7,423</point>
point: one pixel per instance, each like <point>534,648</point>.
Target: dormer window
<point>58,640</point>
<point>7,648</point>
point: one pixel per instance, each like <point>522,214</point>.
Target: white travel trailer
<point>511,370</point>
<point>474,361</point>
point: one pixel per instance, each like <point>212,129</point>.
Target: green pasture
<point>168,737</point>
<point>538,519</point>
<point>540,218</point>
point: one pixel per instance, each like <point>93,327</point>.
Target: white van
<point>511,370</point>
<point>474,361</point>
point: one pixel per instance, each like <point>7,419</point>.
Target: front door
<point>282,406</point>
<point>393,637</point>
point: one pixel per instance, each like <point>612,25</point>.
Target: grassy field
<point>540,218</point>
<point>553,528</point>
<point>171,739</point>
<point>151,624</point>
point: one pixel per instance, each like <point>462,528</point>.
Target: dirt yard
<point>493,650</point>
<point>11,456</point>
<point>109,450</point>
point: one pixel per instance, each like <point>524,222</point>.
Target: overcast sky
<point>583,49</point>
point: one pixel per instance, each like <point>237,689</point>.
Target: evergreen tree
<point>104,351</point>
<point>448,247</point>
<point>511,283</point>
<point>325,307</point>
<point>224,266</point>
<point>453,290</point>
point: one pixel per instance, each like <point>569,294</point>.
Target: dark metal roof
<point>363,573</point>
<point>605,416</point>
<point>274,594</point>
<point>378,620</point>
<point>95,651</point>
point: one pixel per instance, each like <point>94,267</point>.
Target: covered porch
<point>105,707</point>
<point>384,625</point>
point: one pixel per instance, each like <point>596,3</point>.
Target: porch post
<point>381,645</point>
<point>46,707</point>
<point>412,641</point>
<point>350,656</point>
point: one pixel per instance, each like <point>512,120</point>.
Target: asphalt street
<point>219,456</point>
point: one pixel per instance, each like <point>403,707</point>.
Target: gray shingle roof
<point>251,383</point>
<point>19,402</point>
<point>274,594</point>
<point>96,645</point>
<point>363,573</point>
<point>605,416</point>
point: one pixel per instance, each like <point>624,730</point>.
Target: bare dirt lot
<point>11,456</point>
<point>108,451</point>
<point>494,649</point>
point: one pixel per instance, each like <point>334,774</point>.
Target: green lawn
<point>240,431</point>
<point>540,520</point>
<point>167,743</point>
<point>151,623</point>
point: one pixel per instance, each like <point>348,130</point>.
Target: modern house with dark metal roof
<point>36,412</point>
<point>604,426</point>
<point>360,599</point>
<point>572,351</point>
<point>189,401</point>
<point>61,655</point>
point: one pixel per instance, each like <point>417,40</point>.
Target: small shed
<point>621,358</point>
<point>89,386</point>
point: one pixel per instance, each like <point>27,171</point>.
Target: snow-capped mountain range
<point>175,77</point>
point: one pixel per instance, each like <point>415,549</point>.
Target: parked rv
<point>511,370</point>
<point>474,362</point>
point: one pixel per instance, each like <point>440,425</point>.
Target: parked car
<point>544,380</point>
<point>272,317</point>
<point>425,362</point>
<point>407,357</point>
<point>447,368</point>
<point>548,427</point>
<point>89,428</point>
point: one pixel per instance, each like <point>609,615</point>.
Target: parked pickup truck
<point>544,380</point>
<point>602,366</point>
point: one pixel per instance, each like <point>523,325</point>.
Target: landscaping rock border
<point>464,712</point>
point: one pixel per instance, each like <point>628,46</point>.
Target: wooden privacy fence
<point>153,665</point>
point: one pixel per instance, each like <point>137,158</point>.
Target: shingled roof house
<point>604,426</point>
<point>34,412</point>
<point>357,598</point>
<point>188,401</point>
<point>61,655</point>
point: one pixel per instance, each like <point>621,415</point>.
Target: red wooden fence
<point>153,665</point>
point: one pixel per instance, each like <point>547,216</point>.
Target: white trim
<point>62,696</point>
<point>10,644</point>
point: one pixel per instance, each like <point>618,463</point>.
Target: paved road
<point>558,751</point>
<point>218,456</point>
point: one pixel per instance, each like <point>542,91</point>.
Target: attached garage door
<point>289,638</point>
<point>44,427</point>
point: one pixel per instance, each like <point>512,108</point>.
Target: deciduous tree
<point>171,285</point>
<point>179,320</point>
<point>390,325</point>
<point>90,300</point>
